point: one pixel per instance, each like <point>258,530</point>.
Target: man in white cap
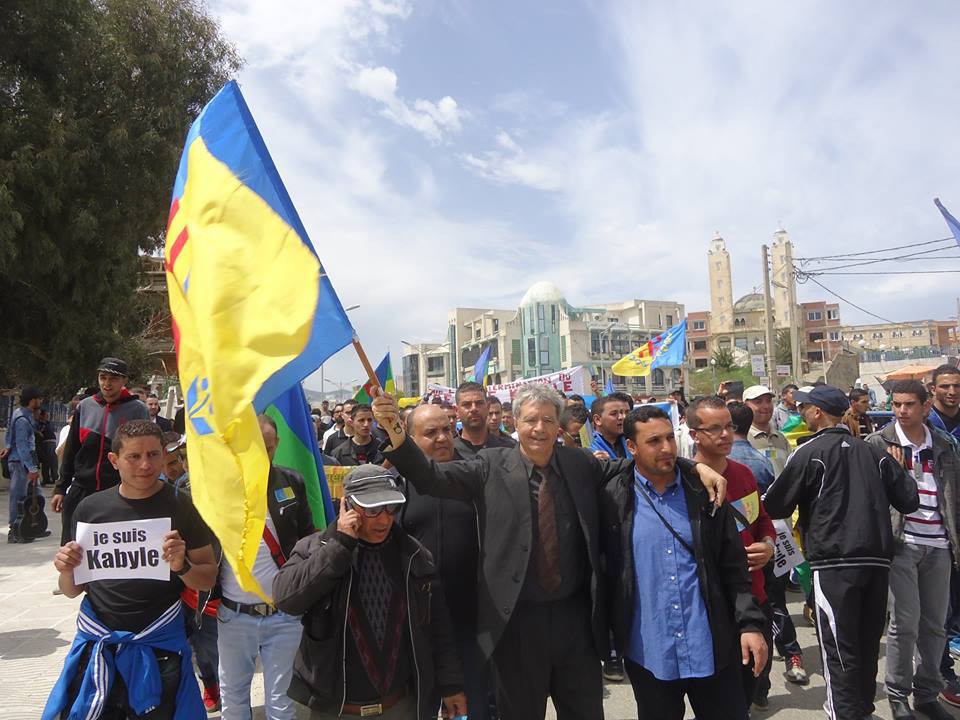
<point>763,436</point>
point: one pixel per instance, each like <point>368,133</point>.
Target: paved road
<point>37,627</point>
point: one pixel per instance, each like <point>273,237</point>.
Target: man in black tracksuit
<point>844,489</point>
<point>85,468</point>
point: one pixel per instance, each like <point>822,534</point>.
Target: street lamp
<point>340,385</point>
<point>352,307</point>
<point>713,374</point>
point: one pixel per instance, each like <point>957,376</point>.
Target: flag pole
<point>371,373</point>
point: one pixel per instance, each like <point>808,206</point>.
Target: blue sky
<point>452,153</point>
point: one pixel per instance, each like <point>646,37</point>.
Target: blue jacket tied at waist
<point>132,654</point>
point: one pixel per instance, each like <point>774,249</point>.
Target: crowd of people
<point>487,556</point>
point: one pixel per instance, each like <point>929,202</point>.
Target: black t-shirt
<point>950,423</point>
<point>469,451</point>
<point>133,604</point>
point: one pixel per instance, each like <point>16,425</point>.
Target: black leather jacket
<point>316,581</point>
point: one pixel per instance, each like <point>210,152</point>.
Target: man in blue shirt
<point>22,449</point>
<point>683,616</point>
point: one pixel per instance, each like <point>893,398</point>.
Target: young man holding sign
<point>132,549</point>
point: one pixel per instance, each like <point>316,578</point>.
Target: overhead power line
<point>821,258</point>
<point>802,277</point>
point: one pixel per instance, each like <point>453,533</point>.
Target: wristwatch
<point>185,569</point>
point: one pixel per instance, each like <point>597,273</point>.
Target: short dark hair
<point>494,400</point>
<point>910,387</point>
<point>153,395</point>
<point>573,413</point>
<point>578,398</point>
<point>170,438</point>
<point>788,386</point>
<point>338,405</point>
<point>944,369</point>
<point>351,402</point>
<point>135,429</point>
<point>448,406</point>
<point>601,402</point>
<point>507,405</point>
<point>741,415</point>
<point>642,414</point>
<point>358,408</point>
<point>623,397</point>
<point>856,394</point>
<point>714,402</point>
<point>469,386</point>
<point>29,393</point>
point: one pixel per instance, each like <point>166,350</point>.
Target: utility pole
<point>768,321</point>
<point>794,326</point>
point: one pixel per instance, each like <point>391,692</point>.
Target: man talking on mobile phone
<point>377,638</point>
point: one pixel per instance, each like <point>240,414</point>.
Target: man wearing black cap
<point>22,450</point>
<point>844,489</point>
<point>85,467</point>
<point>377,638</point>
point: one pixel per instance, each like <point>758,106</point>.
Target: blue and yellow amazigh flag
<point>253,314</point>
<point>665,350</point>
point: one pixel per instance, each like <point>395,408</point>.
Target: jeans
<point>203,642</point>
<point>18,487</point>
<point>919,595</point>
<point>241,638</point>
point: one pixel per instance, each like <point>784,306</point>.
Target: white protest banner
<point>787,555</point>
<point>574,380</point>
<point>122,551</point>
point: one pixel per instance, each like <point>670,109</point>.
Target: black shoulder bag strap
<point>666,523</point>
<point>741,518</point>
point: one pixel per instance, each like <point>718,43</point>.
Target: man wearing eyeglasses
<point>711,425</point>
<point>248,627</point>
<point>377,636</point>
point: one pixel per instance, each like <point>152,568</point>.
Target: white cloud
<point>434,120</point>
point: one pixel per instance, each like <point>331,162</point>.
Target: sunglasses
<point>374,511</point>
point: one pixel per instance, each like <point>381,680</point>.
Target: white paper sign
<point>122,551</point>
<point>787,555</point>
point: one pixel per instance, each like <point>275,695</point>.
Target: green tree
<point>784,347</point>
<point>96,97</point>
<point>723,359</point>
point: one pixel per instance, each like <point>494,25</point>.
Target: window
<point>833,335</point>
<point>613,320</point>
<point>669,320</point>
<point>563,349</point>
<point>917,333</point>
<point>700,363</point>
<point>816,315</point>
<point>659,320</point>
<point>699,325</point>
<point>740,342</point>
<point>657,377</point>
<point>516,348</point>
<point>833,314</point>
<point>531,352</point>
<point>540,319</point>
<point>595,342</point>
<point>435,365</point>
<point>553,319</point>
<point>878,336</point>
<point>719,283</point>
<point>720,300</point>
<point>815,336</point>
<point>700,345</point>
<point>496,325</point>
<point>544,357</point>
<point>896,333</point>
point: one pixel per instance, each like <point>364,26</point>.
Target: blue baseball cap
<point>828,398</point>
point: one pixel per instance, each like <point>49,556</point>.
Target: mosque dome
<point>542,292</point>
<point>749,303</point>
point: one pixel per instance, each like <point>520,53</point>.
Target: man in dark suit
<point>153,405</point>
<point>541,607</point>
